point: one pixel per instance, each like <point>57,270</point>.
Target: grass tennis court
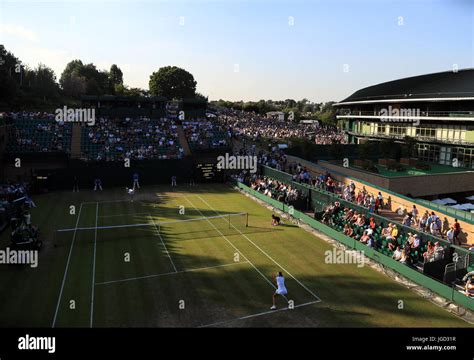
<point>190,260</point>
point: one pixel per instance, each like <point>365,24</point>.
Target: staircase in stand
<point>183,141</point>
<point>76,141</point>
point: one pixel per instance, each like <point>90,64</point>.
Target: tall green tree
<point>43,84</point>
<point>172,82</point>
<point>115,75</point>
<point>135,92</point>
<point>9,78</point>
<point>116,80</point>
<point>90,80</point>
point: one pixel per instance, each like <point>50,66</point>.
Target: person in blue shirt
<point>135,181</point>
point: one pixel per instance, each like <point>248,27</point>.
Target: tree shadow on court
<point>220,295</point>
<point>211,285</point>
<point>199,188</point>
<point>348,301</point>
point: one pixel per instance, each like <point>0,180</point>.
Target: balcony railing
<point>467,114</point>
<point>418,137</point>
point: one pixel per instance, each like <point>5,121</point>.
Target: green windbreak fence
<point>415,276</point>
<point>276,174</point>
<point>448,210</point>
<point>304,189</point>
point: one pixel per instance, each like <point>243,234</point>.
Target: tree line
<point>25,88</point>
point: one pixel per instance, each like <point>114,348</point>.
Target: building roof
<point>447,86</point>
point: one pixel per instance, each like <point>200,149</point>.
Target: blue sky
<point>248,50</point>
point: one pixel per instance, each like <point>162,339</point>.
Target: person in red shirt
<point>457,231</point>
<point>372,225</point>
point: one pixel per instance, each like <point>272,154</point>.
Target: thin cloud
<point>18,31</point>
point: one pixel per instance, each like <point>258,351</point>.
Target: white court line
<point>259,314</point>
<point>104,202</point>
<point>129,214</point>
<point>66,269</point>
<point>108,227</point>
<point>93,266</point>
<point>164,245</point>
<point>126,200</point>
<point>169,273</point>
<point>231,244</point>
<point>263,252</point>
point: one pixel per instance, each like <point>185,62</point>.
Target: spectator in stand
<point>372,224</point>
<point>392,244</point>
<point>394,231</point>
<point>429,253</point>
<point>365,238</point>
<point>470,286</point>
<point>457,231</point>
<point>450,235</point>
<point>360,220</point>
<point>407,220</point>
<point>348,231</point>
<point>438,251</point>
<point>386,231</point>
<point>423,222</point>
<point>416,242</point>
<point>380,199</point>
<point>435,227</point>
<point>404,258</point>
<point>397,254</point>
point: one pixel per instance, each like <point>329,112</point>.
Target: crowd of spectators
<point>136,139</point>
<point>9,193</point>
<point>429,222</point>
<point>29,115</point>
<point>405,247</point>
<point>37,132</point>
<point>275,189</point>
<point>256,127</point>
<point>274,158</point>
<point>205,134</point>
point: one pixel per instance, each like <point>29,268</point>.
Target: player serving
<point>131,192</point>
<point>281,289</point>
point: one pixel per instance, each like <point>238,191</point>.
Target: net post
<point>246,219</point>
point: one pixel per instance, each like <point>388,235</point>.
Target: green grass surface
<point>194,265</point>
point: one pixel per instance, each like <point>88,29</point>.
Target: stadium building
<point>435,109</point>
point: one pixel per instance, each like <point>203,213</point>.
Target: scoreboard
<point>209,172</point>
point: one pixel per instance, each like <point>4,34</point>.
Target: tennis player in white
<point>131,192</point>
<point>281,289</point>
